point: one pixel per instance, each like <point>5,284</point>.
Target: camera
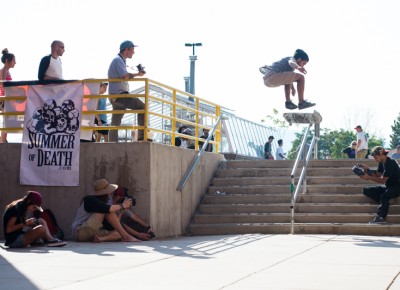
<point>122,199</point>
<point>140,68</point>
<point>359,170</point>
<point>36,221</point>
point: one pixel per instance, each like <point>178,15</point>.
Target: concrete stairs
<point>254,197</point>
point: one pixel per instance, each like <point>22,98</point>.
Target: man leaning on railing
<point>118,69</point>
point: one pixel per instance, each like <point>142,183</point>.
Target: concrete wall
<point>150,171</point>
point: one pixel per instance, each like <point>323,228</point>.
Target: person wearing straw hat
<point>21,229</point>
<point>96,219</point>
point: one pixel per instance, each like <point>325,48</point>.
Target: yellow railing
<point>205,112</point>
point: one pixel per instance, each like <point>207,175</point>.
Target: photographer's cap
<point>358,127</point>
<point>126,44</point>
<point>102,187</point>
<point>35,198</point>
<point>121,191</point>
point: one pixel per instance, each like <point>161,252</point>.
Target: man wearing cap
<point>117,70</point>
<point>362,143</point>
<point>388,173</point>
<point>20,227</point>
<point>268,148</point>
<point>96,210</point>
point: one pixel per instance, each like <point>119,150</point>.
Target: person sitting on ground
<point>351,150</point>
<point>95,209</point>
<point>388,173</point>
<point>21,229</point>
<point>130,221</point>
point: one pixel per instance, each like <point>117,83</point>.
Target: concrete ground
<point>250,261</point>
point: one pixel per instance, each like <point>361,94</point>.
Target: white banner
<point>50,142</point>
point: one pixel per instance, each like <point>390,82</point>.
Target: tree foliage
<point>395,136</point>
<point>331,143</point>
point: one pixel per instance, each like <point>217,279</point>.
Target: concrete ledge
<point>150,171</point>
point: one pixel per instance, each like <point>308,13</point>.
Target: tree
<point>331,143</point>
<point>395,137</point>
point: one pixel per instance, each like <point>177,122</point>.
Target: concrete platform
<point>248,262</point>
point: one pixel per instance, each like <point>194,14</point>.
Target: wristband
<point>122,207</point>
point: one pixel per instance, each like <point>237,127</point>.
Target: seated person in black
<point>388,173</point>
<point>351,150</point>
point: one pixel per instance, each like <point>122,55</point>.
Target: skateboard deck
<point>303,118</point>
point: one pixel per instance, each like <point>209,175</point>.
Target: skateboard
<point>303,118</point>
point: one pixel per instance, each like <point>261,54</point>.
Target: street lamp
<point>192,58</point>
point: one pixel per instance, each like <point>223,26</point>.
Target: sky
<point>353,46</point>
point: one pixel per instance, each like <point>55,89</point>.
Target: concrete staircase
<point>254,197</point>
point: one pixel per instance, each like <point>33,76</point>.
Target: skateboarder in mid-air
<point>286,71</point>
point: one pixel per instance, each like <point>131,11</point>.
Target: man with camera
<point>131,222</point>
<point>388,173</point>
<point>117,70</point>
<point>96,220</point>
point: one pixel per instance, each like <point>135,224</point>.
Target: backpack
<point>51,221</point>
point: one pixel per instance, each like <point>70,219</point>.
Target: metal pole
<point>192,67</point>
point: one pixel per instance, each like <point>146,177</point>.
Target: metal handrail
<point>189,172</point>
<point>302,179</point>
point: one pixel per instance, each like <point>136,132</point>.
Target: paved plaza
<point>231,262</point>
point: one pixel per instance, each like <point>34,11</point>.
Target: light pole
<point>192,58</point>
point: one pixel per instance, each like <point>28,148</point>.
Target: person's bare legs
<point>48,237</point>
<point>38,232</point>
<point>113,220</point>
<point>112,236</point>
<point>300,87</point>
<point>287,92</point>
<point>3,137</point>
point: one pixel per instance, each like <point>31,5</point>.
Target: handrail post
<point>197,158</point>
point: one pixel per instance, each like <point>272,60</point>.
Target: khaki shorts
<point>87,231</point>
<point>275,79</point>
<point>361,153</point>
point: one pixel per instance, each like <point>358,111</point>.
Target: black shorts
<point>103,132</point>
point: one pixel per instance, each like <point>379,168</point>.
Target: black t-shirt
<point>94,204</point>
<point>390,169</point>
<point>350,152</point>
<point>10,213</point>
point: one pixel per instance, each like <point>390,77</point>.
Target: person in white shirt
<point>50,67</point>
<point>362,143</point>
<point>279,151</point>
